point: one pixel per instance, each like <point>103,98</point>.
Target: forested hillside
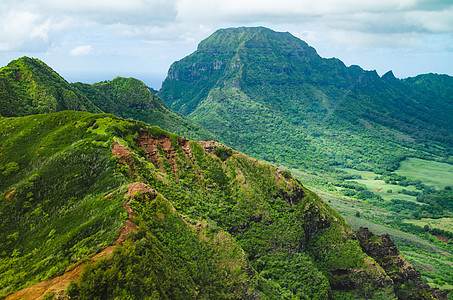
<point>29,86</point>
<point>131,98</point>
<point>202,220</point>
<point>272,96</point>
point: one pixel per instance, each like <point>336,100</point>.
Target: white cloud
<point>139,27</point>
<point>23,29</point>
<point>82,50</point>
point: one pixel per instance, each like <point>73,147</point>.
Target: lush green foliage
<point>273,97</point>
<point>131,98</point>
<point>53,210</point>
<point>28,86</point>
<point>263,232</point>
<point>168,259</point>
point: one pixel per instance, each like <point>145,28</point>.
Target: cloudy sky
<point>94,40</point>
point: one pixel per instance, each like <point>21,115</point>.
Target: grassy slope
<point>294,243</point>
<point>130,98</point>
<point>29,86</point>
<point>55,212</point>
<point>61,173</point>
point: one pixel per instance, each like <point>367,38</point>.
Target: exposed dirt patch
<point>123,154</point>
<point>445,253</point>
<point>8,196</point>
<point>120,151</point>
<point>125,231</point>
<point>425,268</point>
<point>442,238</point>
<point>57,284</point>
<point>140,188</point>
<point>210,146</point>
<point>153,146</point>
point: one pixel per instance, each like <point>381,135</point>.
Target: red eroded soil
<point>380,190</point>
<point>59,284</point>
<point>425,268</point>
<point>445,253</point>
<point>442,238</point>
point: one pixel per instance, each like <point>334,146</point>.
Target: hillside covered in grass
<point>131,98</point>
<point>29,86</point>
<point>205,221</point>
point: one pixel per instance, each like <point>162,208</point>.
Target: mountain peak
<point>229,39</point>
<point>25,63</point>
<point>389,76</point>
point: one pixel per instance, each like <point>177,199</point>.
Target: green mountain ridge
<point>212,222</point>
<point>131,98</point>
<point>272,96</point>
<point>29,86</point>
<point>72,179</point>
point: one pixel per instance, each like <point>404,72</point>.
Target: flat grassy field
<point>442,223</point>
<point>400,238</point>
<point>386,191</point>
<point>431,259</point>
<point>436,174</point>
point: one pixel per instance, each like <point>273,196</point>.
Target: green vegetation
<point>168,259</point>
<point>28,86</point>
<point>271,96</point>
<point>431,173</point>
<point>260,231</point>
<point>378,147</point>
<point>247,229</point>
<point>63,173</point>
<point>131,98</point>
<point>442,223</point>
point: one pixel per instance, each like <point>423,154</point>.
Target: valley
<point>255,186</point>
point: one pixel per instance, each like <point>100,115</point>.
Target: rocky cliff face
<point>406,279</point>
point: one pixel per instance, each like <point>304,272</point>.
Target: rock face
<point>384,251</point>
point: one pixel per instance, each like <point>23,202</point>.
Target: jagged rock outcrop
<point>382,249</point>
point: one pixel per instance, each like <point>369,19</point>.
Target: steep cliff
<point>406,279</point>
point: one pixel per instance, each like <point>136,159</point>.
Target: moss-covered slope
<point>131,98</point>
<point>213,223</point>
<point>28,86</point>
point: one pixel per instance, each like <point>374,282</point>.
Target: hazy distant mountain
<point>272,96</point>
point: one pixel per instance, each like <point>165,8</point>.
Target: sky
<point>95,40</point>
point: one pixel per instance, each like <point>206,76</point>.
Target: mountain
<point>270,95</point>
<point>93,205</point>
<point>29,86</point>
<point>131,98</point>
